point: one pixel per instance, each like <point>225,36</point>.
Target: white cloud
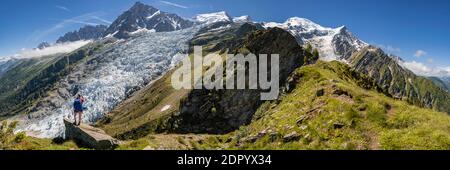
<point>63,8</point>
<point>420,53</point>
<point>54,49</point>
<point>174,4</point>
<point>424,70</point>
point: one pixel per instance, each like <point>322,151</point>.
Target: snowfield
<point>108,78</point>
<point>213,18</point>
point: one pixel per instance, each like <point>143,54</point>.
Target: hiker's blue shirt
<point>77,105</point>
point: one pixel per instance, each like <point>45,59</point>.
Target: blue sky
<point>416,30</point>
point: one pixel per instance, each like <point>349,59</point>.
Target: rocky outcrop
<point>89,136</point>
<point>345,43</point>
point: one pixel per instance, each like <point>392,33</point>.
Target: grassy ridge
<point>329,110</point>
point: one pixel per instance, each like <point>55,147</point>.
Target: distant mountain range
<point>85,33</point>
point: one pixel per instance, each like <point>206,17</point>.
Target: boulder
<point>294,136</point>
<point>338,125</point>
<point>320,93</point>
<point>89,136</point>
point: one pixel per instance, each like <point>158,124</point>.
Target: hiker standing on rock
<point>78,108</point>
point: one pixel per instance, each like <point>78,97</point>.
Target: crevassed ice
<point>105,83</point>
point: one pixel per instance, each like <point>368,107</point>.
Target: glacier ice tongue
<point>109,77</point>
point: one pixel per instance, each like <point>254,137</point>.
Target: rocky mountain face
<point>399,82</point>
<point>85,33</point>
<point>43,45</point>
<point>144,17</point>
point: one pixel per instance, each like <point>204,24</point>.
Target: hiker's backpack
<point>77,105</point>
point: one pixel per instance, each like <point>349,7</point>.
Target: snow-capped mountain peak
<point>332,43</point>
<point>297,23</point>
<point>242,19</point>
<point>144,16</point>
<point>303,22</point>
<point>209,18</point>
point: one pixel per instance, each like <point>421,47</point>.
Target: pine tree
<point>315,55</point>
<point>311,55</point>
<point>308,48</point>
<point>308,55</point>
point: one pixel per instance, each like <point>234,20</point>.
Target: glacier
<point>326,40</point>
<point>108,78</point>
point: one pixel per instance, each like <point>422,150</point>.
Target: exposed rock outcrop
<point>89,136</point>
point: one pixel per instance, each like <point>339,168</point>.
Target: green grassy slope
<point>328,109</point>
